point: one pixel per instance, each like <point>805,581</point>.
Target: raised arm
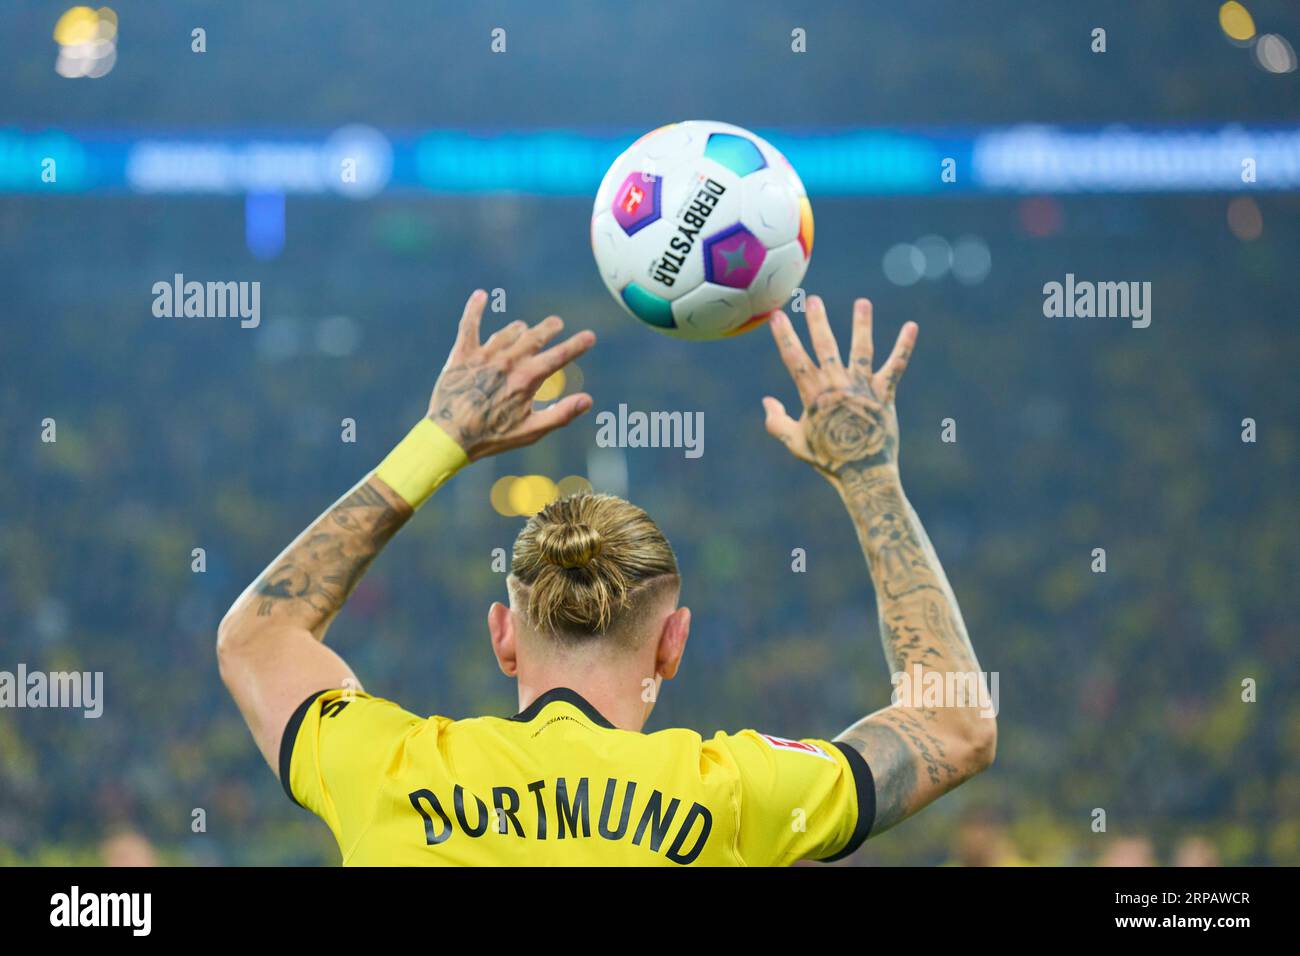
<point>849,432</point>
<point>269,644</point>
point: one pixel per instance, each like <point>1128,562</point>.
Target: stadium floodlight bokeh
<point>87,42</point>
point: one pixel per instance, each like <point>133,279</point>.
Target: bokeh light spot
<point>1244,218</point>
<point>552,388</point>
<point>572,485</point>
<point>1274,54</point>
<point>77,25</point>
<point>500,495</point>
<point>530,494</point>
<point>1236,21</point>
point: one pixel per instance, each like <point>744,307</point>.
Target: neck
<point>618,697</point>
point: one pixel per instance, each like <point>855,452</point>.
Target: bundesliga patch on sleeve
<point>782,743</point>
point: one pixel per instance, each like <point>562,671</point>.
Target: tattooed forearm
<point>912,591</point>
<point>309,582</point>
<point>914,749</point>
<point>905,642</point>
<point>915,754</point>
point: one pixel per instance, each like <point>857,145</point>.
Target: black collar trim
<point>569,697</point>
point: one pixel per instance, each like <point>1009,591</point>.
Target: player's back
<point>559,785</point>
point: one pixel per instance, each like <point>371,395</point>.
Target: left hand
<point>848,421</point>
<point>484,397</point>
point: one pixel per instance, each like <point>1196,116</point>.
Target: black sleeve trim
<point>866,787</point>
<point>287,741</point>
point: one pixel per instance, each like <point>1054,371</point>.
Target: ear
<point>672,642</point>
<point>501,627</point>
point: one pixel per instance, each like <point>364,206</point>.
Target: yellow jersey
<point>559,785</point>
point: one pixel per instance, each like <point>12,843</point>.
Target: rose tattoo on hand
<point>850,426</point>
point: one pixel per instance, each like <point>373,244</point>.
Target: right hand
<point>484,397</point>
<point>848,420</point>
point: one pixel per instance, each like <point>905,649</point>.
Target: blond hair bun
<point>585,564</point>
<point>569,546</point>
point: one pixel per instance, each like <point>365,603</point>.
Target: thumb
<point>779,423</point>
<point>559,414</point>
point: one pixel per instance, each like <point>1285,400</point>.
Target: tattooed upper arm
<point>269,644</point>
<point>913,761</point>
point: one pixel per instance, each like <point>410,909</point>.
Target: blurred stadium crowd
<point>1119,691</point>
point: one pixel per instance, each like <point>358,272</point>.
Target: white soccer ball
<point>701,229</point>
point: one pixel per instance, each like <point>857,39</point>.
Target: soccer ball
<point>701,230</point>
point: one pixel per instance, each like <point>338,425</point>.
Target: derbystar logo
<point>690,221</point>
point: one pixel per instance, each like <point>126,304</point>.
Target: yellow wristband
<point>421,463</point>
